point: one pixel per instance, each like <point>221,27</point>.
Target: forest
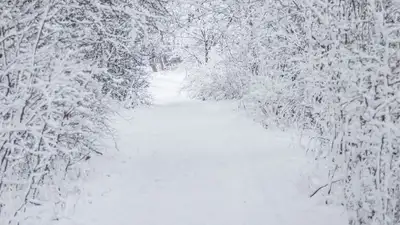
<point>327,69</point>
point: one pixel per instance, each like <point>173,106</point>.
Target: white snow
<point>186,162</point>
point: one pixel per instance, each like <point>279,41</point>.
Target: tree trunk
<point>154,67</point>
<point>162,63</point>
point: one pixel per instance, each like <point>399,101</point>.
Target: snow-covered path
<point>185,162</point>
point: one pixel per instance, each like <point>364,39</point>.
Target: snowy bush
<point>214,82</point>
<point>328,68</point>
<point>63,64</point>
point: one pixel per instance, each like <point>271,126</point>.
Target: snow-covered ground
<point>186,162</point>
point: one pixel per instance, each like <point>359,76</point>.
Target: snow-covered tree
<point>329,68</point>
<point>63,64</point>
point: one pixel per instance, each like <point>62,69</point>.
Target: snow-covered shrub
<point>331,69</point>
<point>215,82</point>
<point>63,64</point>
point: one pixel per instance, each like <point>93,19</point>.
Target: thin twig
<point>323,186</point>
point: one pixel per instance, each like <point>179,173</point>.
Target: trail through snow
<point>185,162</point>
